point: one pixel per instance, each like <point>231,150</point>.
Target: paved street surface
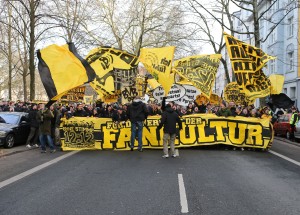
<point>115,182</point>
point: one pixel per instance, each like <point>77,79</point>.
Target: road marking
<point>183,199</point>
<point>35,169</point>
<point>284,157</point>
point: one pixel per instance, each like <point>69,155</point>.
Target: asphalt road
<point>115,182</point>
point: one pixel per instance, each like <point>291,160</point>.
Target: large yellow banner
<point>247,62</point>
<point>198,130</point>
<point>200,70</point>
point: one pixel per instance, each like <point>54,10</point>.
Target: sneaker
<point>174,156</point>
<point>36,145</point>
<point>28,146</point>
<point>43,151</point>
<point>52,151</point>
<point>165,156</point>
<point>140,150</point>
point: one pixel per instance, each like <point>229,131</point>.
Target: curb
<point>15,152</point>
<point>287,141</point>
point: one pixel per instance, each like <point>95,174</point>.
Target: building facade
<point>280,37</point>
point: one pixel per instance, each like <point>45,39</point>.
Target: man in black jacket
<point>137,113</point>
<point>32,139</point>
<point>168,120</point>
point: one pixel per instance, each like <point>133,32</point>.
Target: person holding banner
<point>137,113</point>
<point>168,120</point>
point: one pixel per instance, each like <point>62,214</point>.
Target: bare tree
<point>28,20</point>
<point>142,23</point>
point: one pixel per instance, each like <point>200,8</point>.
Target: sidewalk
<point>17,149</point>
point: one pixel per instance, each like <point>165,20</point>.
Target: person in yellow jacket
<point>294,119</point>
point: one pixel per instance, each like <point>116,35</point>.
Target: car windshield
<point>10,118</point>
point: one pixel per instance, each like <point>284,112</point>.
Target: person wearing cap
<point>137,113</point>
<point>169,120</point>
<point>294,119</point>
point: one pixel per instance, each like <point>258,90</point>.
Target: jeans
<point>46,138</point>
<point>136,127</point>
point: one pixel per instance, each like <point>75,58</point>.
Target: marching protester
<point>32,139</point>
<point>169,120</point>
<point>223,111</point>
<point>119,115</point>
<point>80,112</point>
<point>44,117</point>
<point>137,113</point>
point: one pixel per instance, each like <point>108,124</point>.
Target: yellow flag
<point>158,62</point>
<point>214,99</point>
<point>277,82</point>
<point>247,62</point>
<point>200,70</point>
<point>62,69</point>
<point>113,68</point>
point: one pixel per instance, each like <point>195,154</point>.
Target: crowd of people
<point>45,121</point>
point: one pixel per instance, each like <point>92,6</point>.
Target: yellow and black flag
<point>247,62</point>
<point>200,70</point>
<point>62,69</point>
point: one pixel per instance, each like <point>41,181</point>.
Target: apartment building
<point>280,37</point>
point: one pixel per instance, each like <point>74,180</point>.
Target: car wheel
<point>9,141</point>
<point>288,135</point>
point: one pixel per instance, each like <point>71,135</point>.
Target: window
<point>272,36</point>
<point>272,66</point>
<point>293,92</point>
<point>290,27</point>
<point>290,59</point>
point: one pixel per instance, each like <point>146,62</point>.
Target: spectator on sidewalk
<point>32,139</point>
<point>44,117</point>
<point>293,121</point>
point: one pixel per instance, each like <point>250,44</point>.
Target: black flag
<point>280,101</point>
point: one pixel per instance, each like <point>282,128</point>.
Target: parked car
<point>297,132</point>
<point>14,128</point>
<point>282,126</point>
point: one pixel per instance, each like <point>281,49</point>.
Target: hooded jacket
<point>168,120</point>
<point>137,111</point>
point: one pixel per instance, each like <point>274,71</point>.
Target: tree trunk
<point>32,51</point>
<point>9,54</point>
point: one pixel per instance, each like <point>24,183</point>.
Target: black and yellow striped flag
<point>62,69</point>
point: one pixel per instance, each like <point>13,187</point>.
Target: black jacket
<point>116,117</point>
<point>137,111</point>
<point>32,116</point>
<point>80,113</point>
<point>168,120</point>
